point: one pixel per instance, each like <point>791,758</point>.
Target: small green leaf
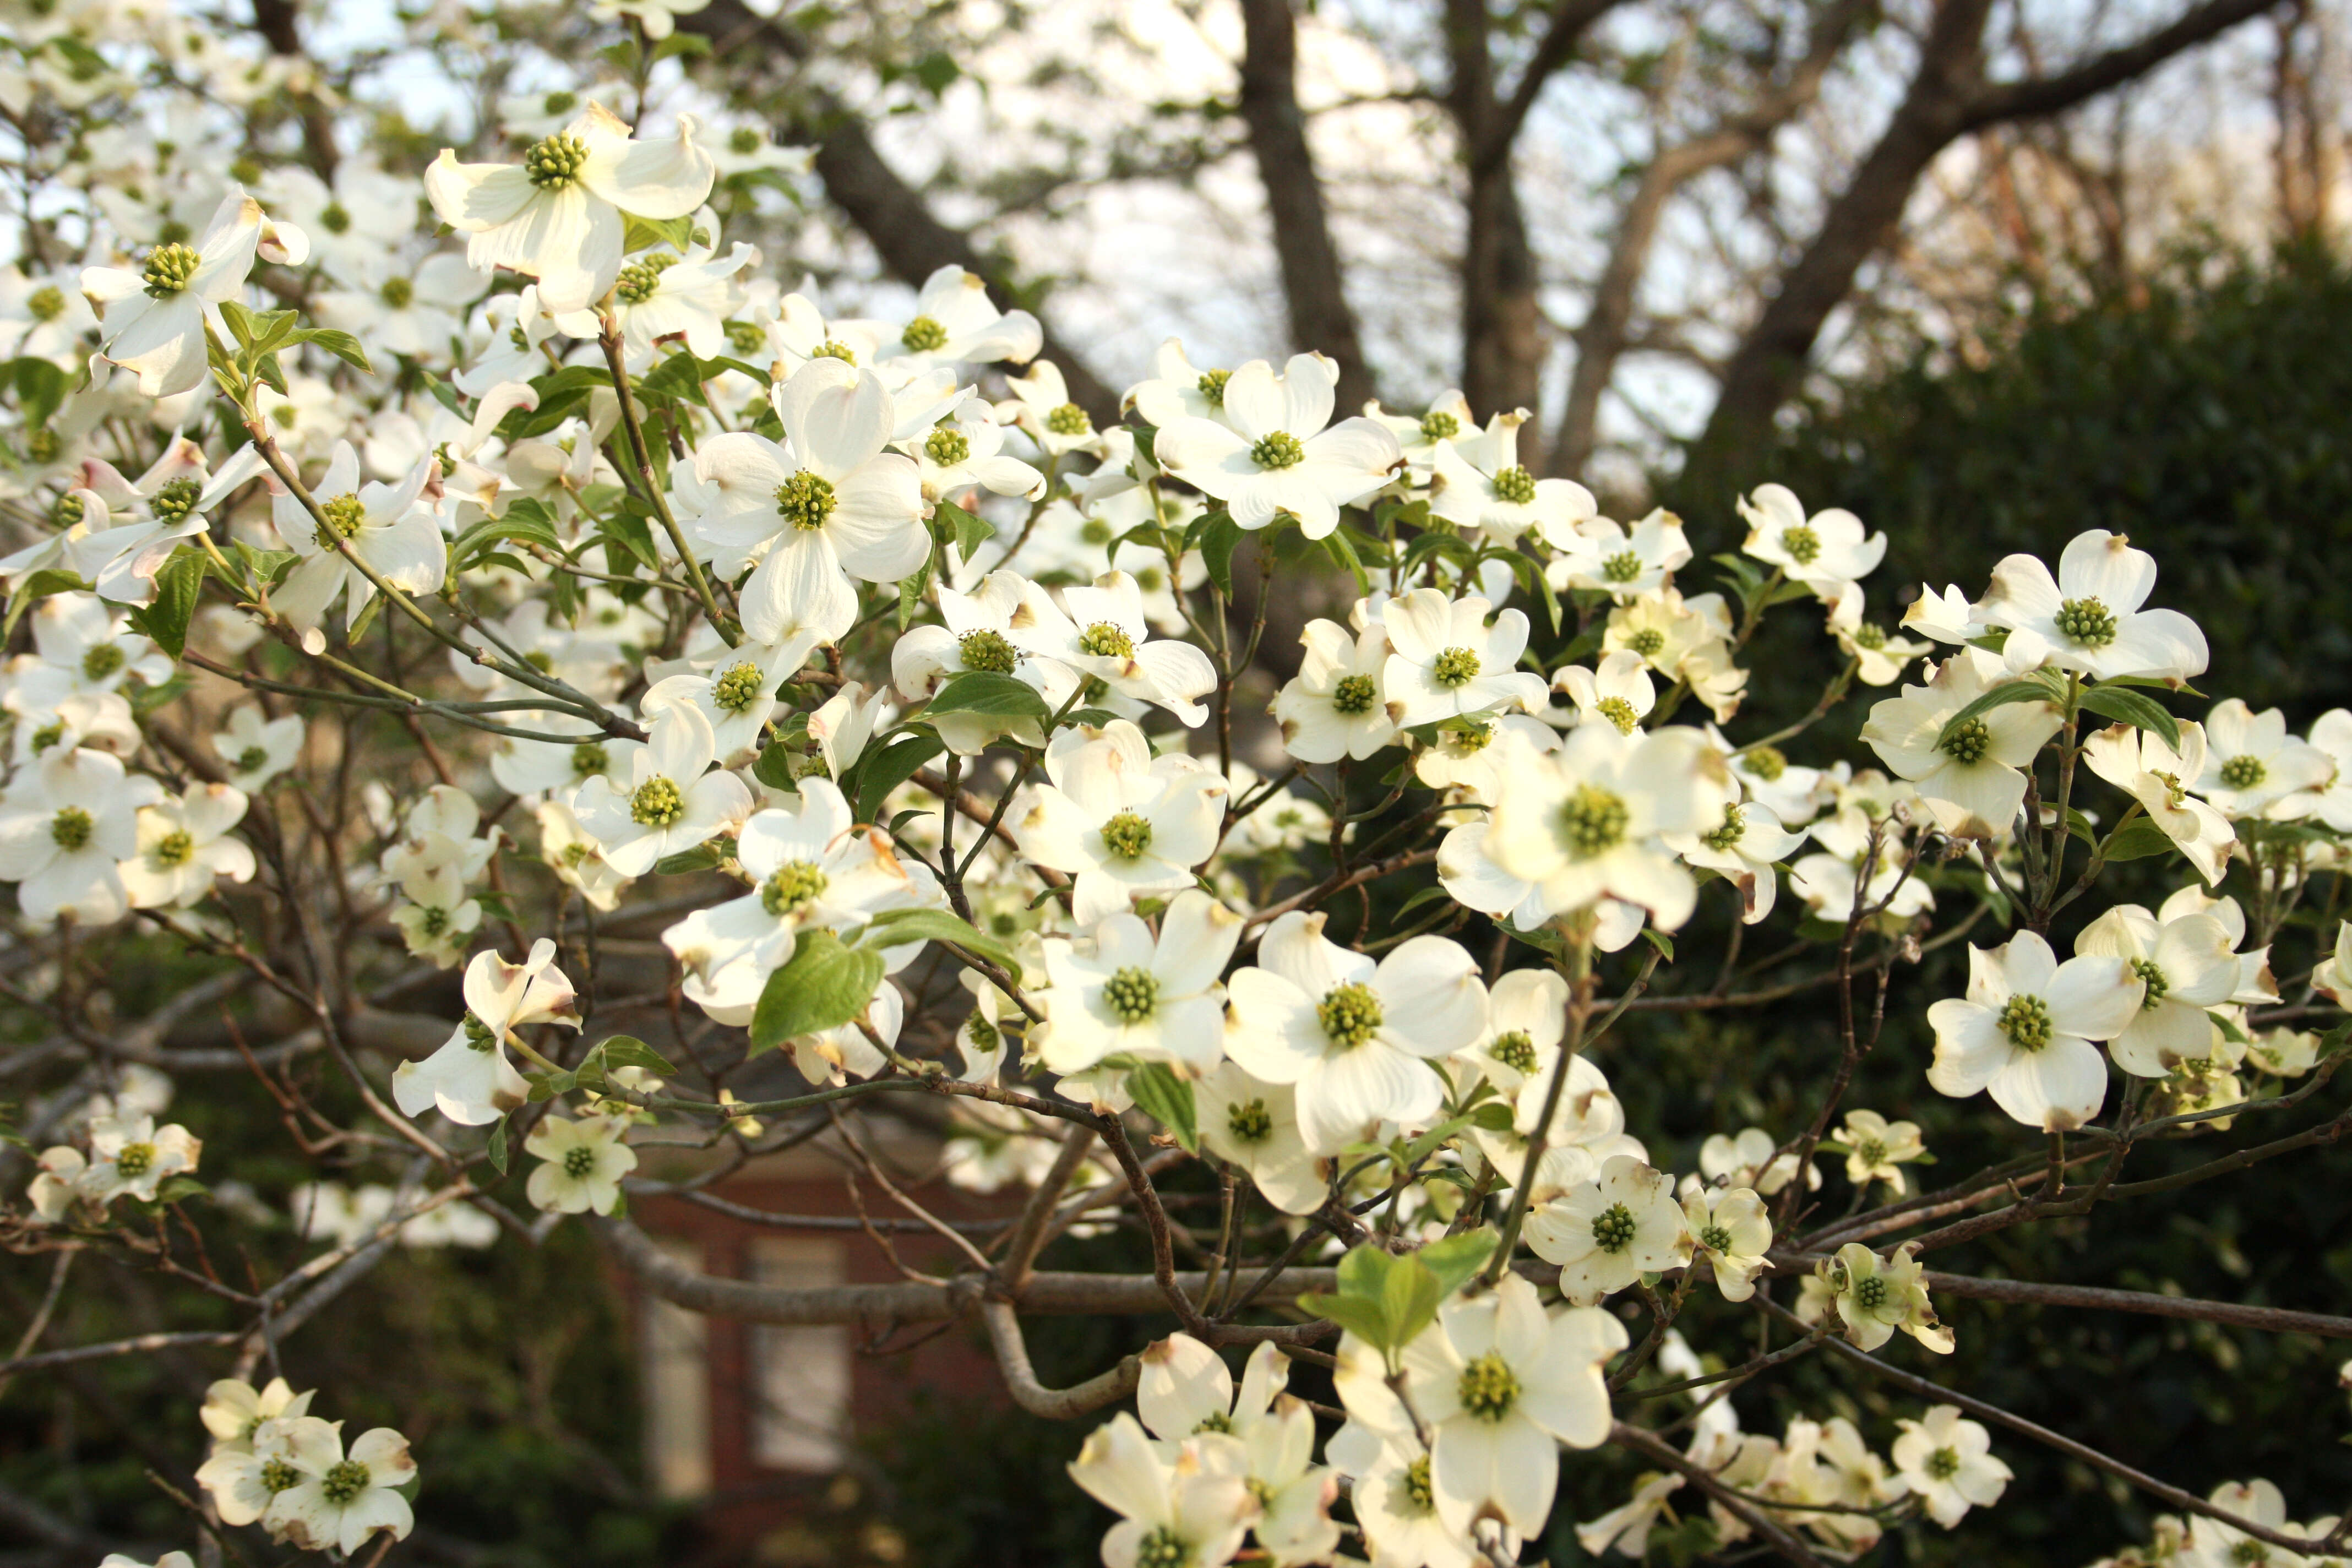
<point>165,621</point>
<point>1410,1298</point>
<point>342,345</point>
<point>701,857</point>
<point>823,986</point>
<point>1457,1259</point>
<point>628,1051</point>
<point>969,531</point>
<point>880,770</point>
<point>2136,840</point>
<point>2039,687</point>
<point>548,1085</point>
<point>2128,707</point>
<point>990,694</point>
<point>1168,1099</point>
<point>1219,537</point>
<point>497,1146</point>
<point>1661,940</point>
<point>896,928</point>
<point>773,767</point>
<point>36,585</point>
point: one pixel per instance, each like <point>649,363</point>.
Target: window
<point>799,1377</point>
<point>674,1344</point>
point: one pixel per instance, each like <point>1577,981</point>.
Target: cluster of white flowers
<point>867,642</point>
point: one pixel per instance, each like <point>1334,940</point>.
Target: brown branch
<point>1021,1378</point>
<point>2028,1292</point>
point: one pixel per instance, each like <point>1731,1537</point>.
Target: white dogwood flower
<point>130,1156</point>
<point>155,319</point>
<point>1877,1149</point>
<point>1872,1297</point>
<point>67,824</point>
<point>1587,821</point>
<point>2253,768</point>
<point>2025,1028</point>
<point>1255,1125</point>
<point>1191,1510</point>
<point>335,1501</point>
<point>984,633</point>
<point>1494,496</point>
<point>670,802</point>
<point>1821,552</point>
<point>1101,630</point>
<point>2143,765</point>
<point>2185,965</point>
<point>1730,1233</point>
<point>1500,1384</point>
<point>955,323</point>
<point>1445,661</point>
<point>2089,617</point>
<point>1608,1233</point>
<point>1153,999</point>
<point>1947,1463</point>
<point>469,1079</point>
<point>1623,563</point>
<point>1336,706</point>
<point>1973,779</point>
<point>1352,1035</point>
<point>1118,824</point>
<point>184,845</point>
<point>559,217</point>
<point>584,1161</point>
<point>389,528</point>
<point>1269,455</point>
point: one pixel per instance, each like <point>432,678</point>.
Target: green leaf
<point>2136,840</point>
<point>1363,1319</point>
<point>177,586</point>
<point>36,585</point>
<point>678,379</point>
<point>1419,1148</point>
<point>1219,537</point>
<point>1457,1259</point>
<point>896,928</point>
<point>524,520</point>
<point>969,533</point>
<point>823,986</point>
<point>548,1085</point>
<point>178,1189</point>
<point>628,1051</point>
<point>681,44</point>
<point>1427,895</point>
<point>342,345</point>
<point>1661,940</point>
<point>498,1147</point>
<point>642,233</point>
<point>1493,1117</point>
<point>879,771</point>
<point>701,857</point>
<point>40,388</point>
<point>773,767</point>
<point>1410,1298</point>
<point>2128,707</point>
<point>1168,1099</point>
<point>1344,554</point>
<point>986,692</point>
<point>2039,687</point>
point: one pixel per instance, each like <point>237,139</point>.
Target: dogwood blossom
<point>2024,1030</point>
<point>1269,455</point>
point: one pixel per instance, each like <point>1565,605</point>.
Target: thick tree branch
<point>891,214</point>
<point>1312,284</point>
<point>2029,1292</point>
<point>1570,20</point>
<point>2050,95</point>
<point>1021,1378</point>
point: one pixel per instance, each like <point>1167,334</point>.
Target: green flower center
<point>2153,978</point>
<point>340,518</point>
<point>1618,711</point>
<point>1163,1548</point>
<point>656,804</point>
<point>2243,773</point>
<point>743,142</point>
<point>578,1160</point>
<point>1104,640</point>
<point>924,336</point>
<point>1439,426</point>
<point>2243,1552</point>
<point>1734,828</point>
<point>1870,1292</point>
<point>1623,567</point>
<point>48,735</point>
<point>101,661</point>
<point>2026,1021</point>
<point>1069,419</point>
<point>559,102</point>
<point>1767,762</point>
<point>1212,387</point>
<point>1944,1463</point>
<point>640,279</point>
<point>947,447</point>
<point>1515,485</point>
<point>175,499</point>
<point>1251,1123</point>
<point>1127,835</point>
<point>135,1160</point>
<point>1489,1388</point>
<point>1873,1152</point>
<point>1870,635</point>
<point>277,1476</point>
<point>588,759</point>
<point>738,688</point>
<point>335,218</point>
<point>1715,1239</point>
<point>346,1478</point>
<point>831,349</point>
<point>1214,1421</point>
<point>2086,622</point>
<point>555,161</point>
<point>479,1034</point>
<point>805,500</point>
<point>45,303</point>
<point>1278,449</point>
<point>987,651</point>
<point>744,338</point>
<point>794,885</point>
<point>1132,994</point>
<point>399,293</point>
<point>169,268</point>
<point>1455,667</point>
<point>1349,1015</point>
<point>1649,642</point>
<point>176,847</point>
<point>1803,545</point>
<point>986,1038</point>
<point>70,828</point>
<point>1516,1051</point>
<point>1417,1490</point>
<point>41,445</point>
<point>1593,822</point>
<point>1969,741</point>
<point>1613,1228</point>
<point>1354,694</point>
